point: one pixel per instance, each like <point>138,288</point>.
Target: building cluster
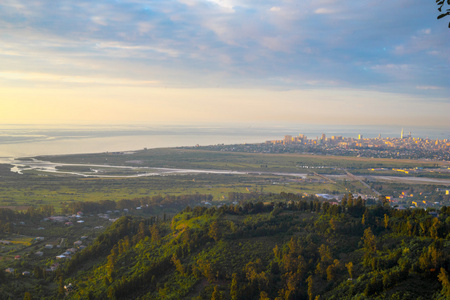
<point>407,142</point>
<point>47,250</point>
<point>404,146</point>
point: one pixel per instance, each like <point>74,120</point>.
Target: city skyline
<point>203,62</point>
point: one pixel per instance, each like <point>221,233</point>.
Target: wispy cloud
<point>383,46</point>
<point>324,10</point>
<point>428,87</point>
<point>52,78</point>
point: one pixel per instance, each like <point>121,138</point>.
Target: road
<point>356,178</point>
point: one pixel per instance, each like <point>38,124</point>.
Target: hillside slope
<point>289,249</point>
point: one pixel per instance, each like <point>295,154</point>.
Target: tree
<point>142,231</point>
<point>331,270</point>
<point>27,296</point>
<point>264,296</point>
<point>61,289</point>
<point>178,266</point>
<point>154,231</point>
<point>369,241</point>
<point>38,272</point>
<point>214,231</point>
<point>310,282</point>
<point>386,221</point>
<point>234,289</point>
<point>443,278</point>
<point>292,284</point>
<point>344,202</point>
<point>111,262</point>
<point>325,259</point>
<point>434,228</point>
<point>349,267</point>
<point>370,246</point>
<point>431,258</point>
<point>276,252</point>
<point>350,200</point>
<point>384,201</point>
<point>325,253</point>
<point>216,295</point>
<point>206,269</point>
<point>441,3</point>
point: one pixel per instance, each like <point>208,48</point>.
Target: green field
<point>201,159</point>
<point>260,173</point>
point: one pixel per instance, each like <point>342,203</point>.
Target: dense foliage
<point>292,248</point>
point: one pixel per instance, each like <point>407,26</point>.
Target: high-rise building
<point>287,139</point>
<point>401,134</point>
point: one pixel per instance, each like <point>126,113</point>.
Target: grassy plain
<point>27,190</point>
<point>202,159</point>
<point>260,173</point>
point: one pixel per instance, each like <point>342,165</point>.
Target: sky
<point>224,61</point>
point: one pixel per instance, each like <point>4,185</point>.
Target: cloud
<point>99,20</point>
<point>189,2</point>
<point>45,77</point>
<point>323,10</point>
<point>131,49</point>
<point>391,67</point>
<point>425,31</point>
<point>227,5</point>
<point>428,87</point>
<point>197,43</point>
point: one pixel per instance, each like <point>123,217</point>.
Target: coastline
<point>31,140</point>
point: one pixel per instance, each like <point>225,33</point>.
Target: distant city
<point>405,146</point>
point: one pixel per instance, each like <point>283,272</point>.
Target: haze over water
<point>31,140</point>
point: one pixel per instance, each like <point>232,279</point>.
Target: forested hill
<point>295,249</point>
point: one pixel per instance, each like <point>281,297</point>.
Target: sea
<point>25,140</point>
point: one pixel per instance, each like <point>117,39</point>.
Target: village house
<point>57,219</point>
